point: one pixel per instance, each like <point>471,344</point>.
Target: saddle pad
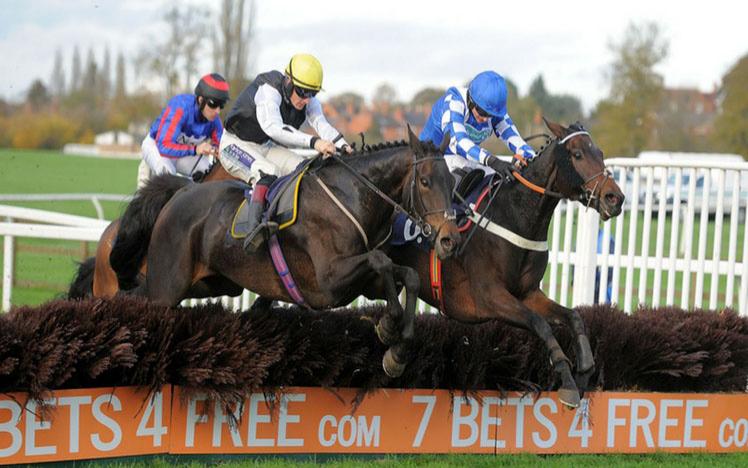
<point>283,198</point>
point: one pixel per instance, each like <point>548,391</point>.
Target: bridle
<point>589,195</point>
<point>449,214</point>
<point>410,209</point>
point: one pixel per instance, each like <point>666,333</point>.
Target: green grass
<point>44,268</point>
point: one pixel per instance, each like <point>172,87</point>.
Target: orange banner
<point>98,423</point>
<point>312,420</point>
<point>84,424</point>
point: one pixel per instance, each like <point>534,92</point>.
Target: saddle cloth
<point>282,202</point>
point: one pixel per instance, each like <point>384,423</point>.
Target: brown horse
<point>95,276</point>
<point>328,255</point>
<point>496,279</point>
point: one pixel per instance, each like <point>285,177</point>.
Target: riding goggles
<point>214,104</point>
<point>304,93</point>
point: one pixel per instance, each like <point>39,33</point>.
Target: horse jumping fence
<point>680,241</point>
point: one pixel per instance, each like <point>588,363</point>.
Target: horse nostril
<point>613,199</point>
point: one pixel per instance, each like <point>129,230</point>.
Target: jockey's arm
<point>267,103</point>
<point>172,120</point>
<point>453,118</point>
<point>507,131</point>
<point>319,123</point>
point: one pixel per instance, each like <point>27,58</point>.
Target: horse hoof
<point>387,338</point>
<point>391,367</point>
<point>569,398</point>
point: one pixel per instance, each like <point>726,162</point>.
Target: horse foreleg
<point>347,271</point>
<point>397,354</point>
<point>503,305</point>
<point>540,303</point>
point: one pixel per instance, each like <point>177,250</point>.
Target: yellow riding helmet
<point>305,71</point>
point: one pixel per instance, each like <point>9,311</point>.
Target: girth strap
<point>345,211</point>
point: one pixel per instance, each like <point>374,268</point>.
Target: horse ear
<point>557,129</point>
<point>445,142</point>
<point>414,142</point>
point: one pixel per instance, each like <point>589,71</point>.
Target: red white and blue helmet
<point>213,86</point>
<point>488,91</point>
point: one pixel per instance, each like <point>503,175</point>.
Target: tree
<point>38,96</point>
<point>233,41</point>
<point>75,76</point>
<point>427,96</point>
<point>731,125</point>
<point>342,101</point>
<point>105,75</point>
<point>384,94</point>
<point>626,122</point>
<point>559,108</point>
<point>173,57</point>
<point>57,80</point>
<point>120,89</point>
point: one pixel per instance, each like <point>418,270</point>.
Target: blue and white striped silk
<point>450,114</point>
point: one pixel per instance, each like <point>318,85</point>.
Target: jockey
<point>264,121</point>
<point>469,115</point>
<point>188,131</point>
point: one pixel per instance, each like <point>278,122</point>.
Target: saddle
<point>282,202</point>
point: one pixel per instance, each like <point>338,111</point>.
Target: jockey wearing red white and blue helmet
<point>470,115</point>
<point>188,131</point>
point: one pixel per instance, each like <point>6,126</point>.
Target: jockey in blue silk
<point>188,131</point>
<point>470,115</point>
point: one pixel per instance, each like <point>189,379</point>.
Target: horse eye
<point>425,182</point>
<point>577,154</point>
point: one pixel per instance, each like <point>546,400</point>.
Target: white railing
<point>95,198</point>
<point>681,240</point>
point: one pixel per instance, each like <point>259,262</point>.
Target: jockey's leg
<point>144,173</point>
<point>259,231</point>
<point>190,165</point>
<point>156,163</point>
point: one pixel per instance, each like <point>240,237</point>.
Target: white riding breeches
<point>248,161</point>
<point>158,164</point>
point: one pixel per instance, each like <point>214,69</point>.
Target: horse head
<point>429,195</point>
<point>580,170</point>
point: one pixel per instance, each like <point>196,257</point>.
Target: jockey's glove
<point>502,168</point>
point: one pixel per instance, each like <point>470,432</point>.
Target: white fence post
<point>8,244</point>
<point>586,257</point>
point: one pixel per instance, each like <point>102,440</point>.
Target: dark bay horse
<point>326,252</point>
<point>496,279</point>
<point>95,276</point>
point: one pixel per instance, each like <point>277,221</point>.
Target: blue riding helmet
<point>488,91</point>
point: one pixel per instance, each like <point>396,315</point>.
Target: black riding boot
<point>259,231</point>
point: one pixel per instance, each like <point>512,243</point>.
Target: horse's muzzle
<point>447,240</point>
<point>611,204</point>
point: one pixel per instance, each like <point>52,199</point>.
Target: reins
<point>425,227</point>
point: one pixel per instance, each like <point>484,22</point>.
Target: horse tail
<point>82,285</point>
<point>131,245</point>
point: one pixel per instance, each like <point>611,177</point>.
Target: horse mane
<point>368,149</point>
<point>365,149</point>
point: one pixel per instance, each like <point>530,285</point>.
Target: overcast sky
<point>410,44</point>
